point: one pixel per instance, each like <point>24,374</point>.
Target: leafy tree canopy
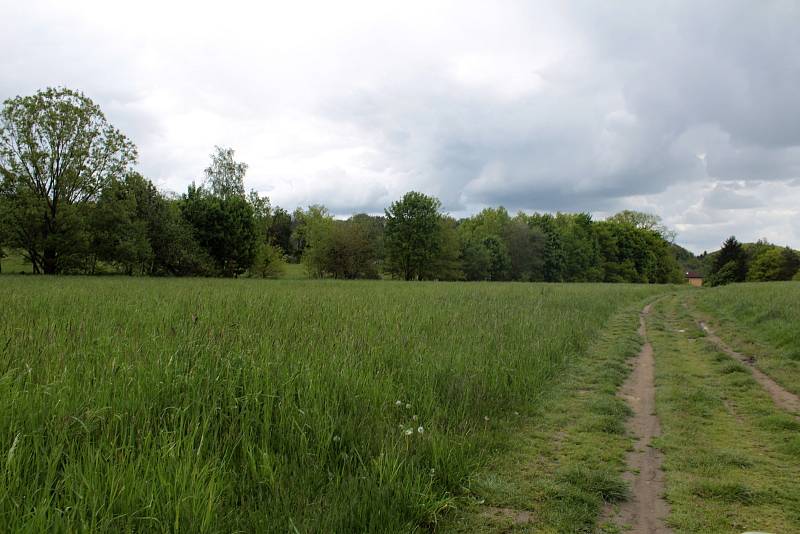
<point>413,236</point>
<point>57,152</point>
<point>225,176</point>
<point>644,221</point>
<point>774,264</point>
<point>733,259</point>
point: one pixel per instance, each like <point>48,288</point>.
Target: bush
<point>269,262</point>
<point>726,275</point>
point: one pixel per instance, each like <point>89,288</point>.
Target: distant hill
<point>689,262</point>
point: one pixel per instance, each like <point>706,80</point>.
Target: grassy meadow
<point>563,468</point>
<point>14,263</point>
<point>762,320</point>
<point>730,455</point>
<point>205,405</point>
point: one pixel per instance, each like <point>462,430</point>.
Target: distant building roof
<point>692,274</point>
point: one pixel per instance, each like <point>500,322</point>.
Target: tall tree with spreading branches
<point>57,152</point>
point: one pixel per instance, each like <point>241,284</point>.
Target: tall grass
<point>770,311</point>
<point>767,314</point>
<point>244,405</point>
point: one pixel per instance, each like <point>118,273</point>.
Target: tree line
<point>72,202</point>
<point>751,262</point>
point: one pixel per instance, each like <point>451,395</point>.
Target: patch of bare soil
<point>646,510</point>
<point>516,517</point>
<point>782,398</point>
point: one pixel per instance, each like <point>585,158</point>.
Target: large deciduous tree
<point>412,238</point>
<point>224,227</point>
<point>225,223</point>
<point>57,152</point>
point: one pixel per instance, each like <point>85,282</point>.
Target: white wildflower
<point>486,418</point>
<point>414,417</point>
<point>336,439</point>
<point>421,430</point>
<point>398,403</point>
<point>409,431</point>
<point>408,406</point>
<point>516,413</point>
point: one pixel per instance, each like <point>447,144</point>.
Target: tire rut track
<point>782,398</point>
<point>646,510</point>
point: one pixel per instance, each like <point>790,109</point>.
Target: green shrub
<point>269,262</point>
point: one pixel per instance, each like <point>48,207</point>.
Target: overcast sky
<point>690,110</point>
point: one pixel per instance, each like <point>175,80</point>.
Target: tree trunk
<point>35,262</point>
<point>49,261</point>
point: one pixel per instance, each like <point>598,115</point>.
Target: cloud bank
<point>683,109</point>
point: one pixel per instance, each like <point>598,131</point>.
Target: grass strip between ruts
<point>759,320</point>
<point>730,455</point>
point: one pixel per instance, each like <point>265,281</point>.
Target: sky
<point>689,110</point>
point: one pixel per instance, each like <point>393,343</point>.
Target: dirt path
<point>783,399</point>
<point>646,510</point>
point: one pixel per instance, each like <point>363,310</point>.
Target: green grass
<point>760,320</point>
<point>294,271</point>
<point>566,459</point>
<point>14,263</point>
<point>730,456</point>
<point>266,406</point>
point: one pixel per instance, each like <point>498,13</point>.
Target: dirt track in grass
<point>646,510</point>
<point>783,399</point>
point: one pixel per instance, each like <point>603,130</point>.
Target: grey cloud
<point>728,198</point>
<point>554,106</point>
<point>705,88</point>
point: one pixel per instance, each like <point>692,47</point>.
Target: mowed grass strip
<point>266,406</point>
<point>731,457</point>
<point>565,462</point>
<point>760,320</point>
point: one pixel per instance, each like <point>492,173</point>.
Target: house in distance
<point>695,279</point>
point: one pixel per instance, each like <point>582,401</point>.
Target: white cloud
<point>688,110</point>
